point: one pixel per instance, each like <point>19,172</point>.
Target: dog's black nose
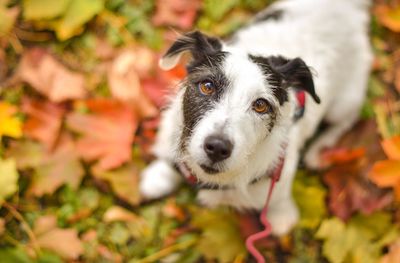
<point>217,148</point>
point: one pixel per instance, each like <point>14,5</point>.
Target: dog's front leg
<point>283,213</point>
<point>160,178</point>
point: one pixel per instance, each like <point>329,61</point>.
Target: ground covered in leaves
<point>80,97</point>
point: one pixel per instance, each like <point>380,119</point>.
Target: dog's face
<point>232,102</point>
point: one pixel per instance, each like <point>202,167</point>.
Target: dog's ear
<point>295,73</point>
<point>198,44</point>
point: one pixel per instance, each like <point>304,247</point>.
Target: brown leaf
<point>117,213</point>
<point>62,166</point>
<point>178,13</point>
<point>124,82</point>
<point>107,132</point>
<point>64,242</point>
<point>49,77</point>
<point>124,182</point>
<point>349,192</point>
<point>44,120</point>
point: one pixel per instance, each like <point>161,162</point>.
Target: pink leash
<point>263,217</point>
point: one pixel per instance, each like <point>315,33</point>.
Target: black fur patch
<point>283,73</point>
<point>273,78</point>
<point>195,104</point>
<point>270,14</point>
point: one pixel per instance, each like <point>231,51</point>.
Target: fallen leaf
<point>220,236</point>
<point>62,166</point>
<point>349,192</point>
<point>64,242</point>
<point>309,195</point>
<point>125,84</point>
<point>44,9</point>
<point>9,124</point>
<point>77,14</point>
<point>8,15</point>
<point>387,174</point>
<point>107,132</point>
<point>342,155</point>
<point>388,16</point>
<point>49,77</point>
<point>393,256</point>
<point>361,240</point>
<point>392,148</point>
<point>124,182</point>
<point>43,122</point>
<point>8,178</point>
<point>179,13</point>
<point>117,213</point>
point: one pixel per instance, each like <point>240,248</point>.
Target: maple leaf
<point>51,168</point>
<point>179,13</point>
<point>361,240</point>
<point>386,173</point>
<point>43,122</point>
<point>124,82</point>
<point>8,178</point>
<point>64,242</point>
<point>107,132</point>
<point>124,182</point>
<point>220,238</point>
<point>49,77</point>
<point>9,124</point>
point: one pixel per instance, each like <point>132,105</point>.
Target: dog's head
<point>232,102</point>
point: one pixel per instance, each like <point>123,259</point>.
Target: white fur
<point>331,37</point>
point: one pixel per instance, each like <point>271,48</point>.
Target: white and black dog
<point>236,114</point>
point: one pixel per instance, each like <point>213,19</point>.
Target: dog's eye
<point>207,87</point>
<point>261,106</point>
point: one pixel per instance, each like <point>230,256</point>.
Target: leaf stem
<point>167,251</point>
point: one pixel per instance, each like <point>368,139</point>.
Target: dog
<point>237,115</point>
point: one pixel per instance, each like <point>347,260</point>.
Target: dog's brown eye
<point>261,106</point>
<point>207,87</point>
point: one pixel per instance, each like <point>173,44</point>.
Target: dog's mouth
<point>209,169</point>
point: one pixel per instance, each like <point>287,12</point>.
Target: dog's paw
<point>283,217</point>
<point>158,179</point>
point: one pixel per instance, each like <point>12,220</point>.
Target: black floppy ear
<point>198,44</point>
<point>295,73</point>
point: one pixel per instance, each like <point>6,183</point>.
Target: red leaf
<point>107,132</point>
<point>342,155</point>
<point>179,13</point>
<point>44,121</point>
<point>49,77</point>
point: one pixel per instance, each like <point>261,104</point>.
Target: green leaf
<point>14,255</point>
<point>309,195</point>
<point>8,178</point>
<point>220,238</point>
<point>44,9</point>
<point>78,13</point>
<point>216,9</point>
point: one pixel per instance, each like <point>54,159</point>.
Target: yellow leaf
<point>8,178</point>
<point>44,9</point>
<point>389,17</point>
<point>9,125</point>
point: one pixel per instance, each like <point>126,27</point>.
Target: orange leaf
<point>342,155</point>
<point>107,132</point>
<point>389,17</point>
<point>385,173</point>
<point>49,77</point>
<point>394,253</point>
<point>124,80</point>
<point>44,121</point>
<point>392,147</point>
